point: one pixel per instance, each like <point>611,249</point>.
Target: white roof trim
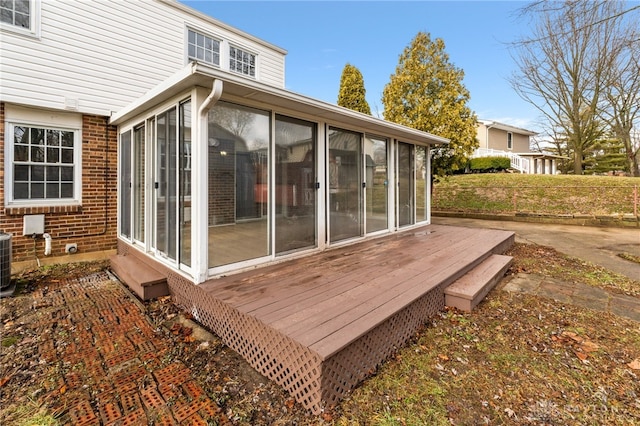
<point>196,74</point>
<point>507,127</point>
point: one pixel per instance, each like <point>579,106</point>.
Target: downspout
<point>201,268</point>
<point>486,140</point>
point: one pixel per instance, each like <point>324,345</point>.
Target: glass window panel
<point>53,155</point>
<point>192,37</point>
<point>67,156</point>
<point>125,184</point>
<point>200,40</point>
<point>185,183</point>
<point>53,174</point>
<point>66,174</point>
<point>22,6</point>
<point>66,190</point>
<point>200,54</point>
<point>139,184</point>
<point>21,153</point>
<point>67,139</point>
<point>406,185</point>
<point>53,137</point>
<point>53,190</point>
<point>421,183</point>
<point>37,136</point>
<point>377,183</point>
<point>37,190</point>
<point>6,16</point>
<point>345,185</point>
<point>37,173</point>
<point>192,51</point>
<point>295,184</point>
<point>21,173</point>
<point>208,56</point>
<point>21,135</point>
<point>21,191</point>
<point>22,21</point>
<point>238,153</point>
<point>37,154</point>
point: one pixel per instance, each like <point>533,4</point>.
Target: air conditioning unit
<point>6,289</point>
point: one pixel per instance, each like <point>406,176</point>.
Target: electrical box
<point>33,224</point>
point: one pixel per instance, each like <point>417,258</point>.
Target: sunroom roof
<point>196,74</point>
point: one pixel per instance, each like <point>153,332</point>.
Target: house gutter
<point>200,186</point>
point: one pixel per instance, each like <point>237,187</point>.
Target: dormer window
<point>242,62</point>
<point>203,48</point>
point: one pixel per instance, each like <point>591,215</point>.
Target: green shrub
<point>489,164</point>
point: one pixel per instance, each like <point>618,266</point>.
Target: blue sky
<point>322,36</point>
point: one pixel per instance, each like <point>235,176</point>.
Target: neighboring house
<point>152,127</point>
<point>503,137</point>
<point>499,139</point>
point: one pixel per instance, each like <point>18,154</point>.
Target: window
<point>242,62</point>
<point>43,164</point>
<point>509,140</point>
<point>203,48</point>
<point>16,13</point>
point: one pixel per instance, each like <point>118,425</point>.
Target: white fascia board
<point>196,74</point>
<point>507,127</point>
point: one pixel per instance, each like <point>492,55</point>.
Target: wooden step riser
<point>468,291</point>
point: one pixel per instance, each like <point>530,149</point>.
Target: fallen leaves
<point>580,346</point>
<point>635,364</point>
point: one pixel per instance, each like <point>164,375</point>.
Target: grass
<point>507,193</point>
<point>516,359</point>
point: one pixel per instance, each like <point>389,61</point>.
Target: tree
<point>352,91</point>
<point>426,93</point>
<point>621,106</point>
<point>565,66</point>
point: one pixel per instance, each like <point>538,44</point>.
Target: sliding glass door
<point>345,185</point>
<point>295,184</point>
<point>376,183</point>
<point>238,179</point>
<point>406,184</point>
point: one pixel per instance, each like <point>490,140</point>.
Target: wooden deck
<point>319,325</point>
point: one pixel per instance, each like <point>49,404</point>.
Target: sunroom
<point>219,174</point>
<point>295,230</point>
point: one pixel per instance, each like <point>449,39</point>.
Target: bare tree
<point>564,66</point>
<point>621,105</point>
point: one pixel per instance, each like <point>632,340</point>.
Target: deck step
<point>147,282</point>
<point>471,288</point>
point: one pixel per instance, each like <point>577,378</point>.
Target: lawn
<point>507,193</point>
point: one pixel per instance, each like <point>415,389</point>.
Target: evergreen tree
<point>426,93</point>
<point>352,91</point>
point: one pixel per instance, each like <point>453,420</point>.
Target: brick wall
<point>92,225</point>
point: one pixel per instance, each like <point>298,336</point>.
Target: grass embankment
<point>506,193</point>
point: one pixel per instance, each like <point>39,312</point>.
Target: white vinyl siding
<point>97,57</point>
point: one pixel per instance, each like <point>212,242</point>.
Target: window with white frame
<point>242,62</point>
<point>16,12</point>
<point>43,164</point>
<point>203,48</point>
<point>509,140</point>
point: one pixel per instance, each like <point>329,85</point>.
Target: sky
<point>321,37</point>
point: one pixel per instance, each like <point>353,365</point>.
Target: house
<point>504,140</point>
<point>166,140</point>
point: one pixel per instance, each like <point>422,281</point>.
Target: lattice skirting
<point>313,382</point>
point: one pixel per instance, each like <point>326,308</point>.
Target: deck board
<point>340,309</point>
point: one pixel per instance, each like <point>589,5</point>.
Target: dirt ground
<point>41,389</point>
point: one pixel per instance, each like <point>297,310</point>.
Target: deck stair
<point>469,290</point>
<point>145,280</point>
